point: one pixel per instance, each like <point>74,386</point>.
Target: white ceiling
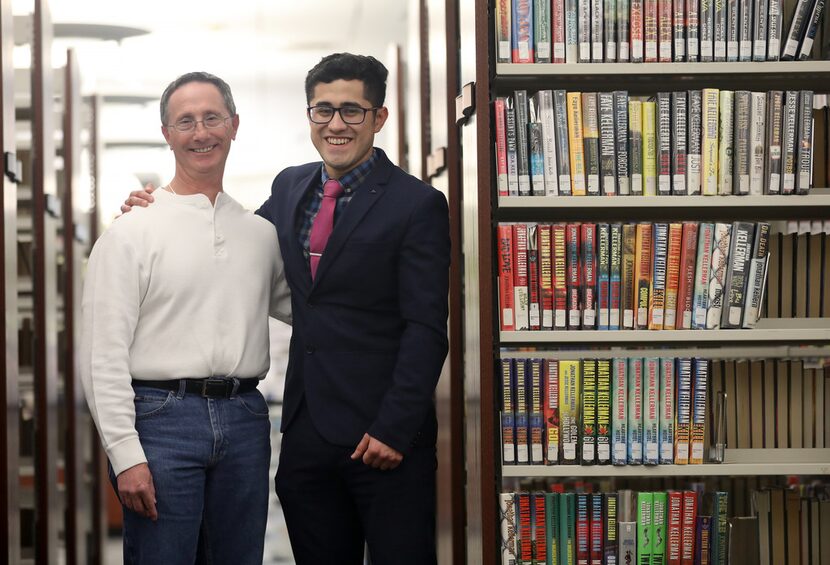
<point>262,48</point>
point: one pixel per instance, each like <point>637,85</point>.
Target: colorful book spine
<point>575,141</point>
<point>684,411</point>
<point>667,412</point>
<point>569,387</point>
<point>757,138</point>
<point>756,282</point>
<point>642,274</point>
<point>720,528</point>
<point>635,411</point>
<point>665,31</point>
<point>597,526</point>
<point>657,291</point>
<point>699,384</point>
<point>522,38</point>
<point>619,410</point>
<point>651,411</point>
<point>583,529</point>
<point>621,141</point>
<point>686,283</point>
<point>703,540</point>
<point>567,532</point>
<point>536,411</point>
<point>636,26</point>
<point>522,142</point>
<point>650,30</point>
<point>534,305</point>
<point>650,147</point>
<point>558,32</point>
<point>590,137</point>
<point>615,259</point>
<point>588,438</point>
<point>674,529</point>
<point>687,546</point>
<point>725,129</point>
<point>574,277</point>
<point>628,293</point>
<point>542,31</point>
<point>588,245</point>
<point>509,528</point>
<point>603,275</point>
<point>563,163</point>
<point>521,292</point>
<point>552,527</point>
<point>679,152</point>
<point>552,412</point>
<point>536,158</point>
<point>520,382</point>
<point>501,146</point>
<point>741,156</point>
<point>609,532</point>
<point>693,169</point>
<point>706,232</point>
<point>675,249</point>
<point>539,544</point>
<point>709,146</point>
<point>560,276</point>
<point>504,233</point>
<point>658,526</point>
<point>635,143</point>
<point>717,274</point>
<point>603,437</point>
<point>507,412</point>
<point>525,539</point>
<point>645,528</point>
<point>504,31</point>
<point>607,149</point>
<point>737,275</point>
<point>512,147</point>
<point>543,243</point>
<point>664,145</point>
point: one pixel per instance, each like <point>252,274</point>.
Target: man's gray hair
<point>198,76</point>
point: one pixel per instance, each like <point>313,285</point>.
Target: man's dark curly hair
<point>347,66</point>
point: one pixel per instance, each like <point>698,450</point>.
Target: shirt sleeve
<point>280,306</point>
<point>110,307</point>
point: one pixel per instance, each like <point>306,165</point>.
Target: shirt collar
<point>352,180</point>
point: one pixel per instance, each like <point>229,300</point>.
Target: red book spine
<point>673,276</point>
<point>533,278</point>
<point>540,547</point>
<point>520,287</point>
<point>560,276</point>
<point>650,30</point>
<point>525,528</point>
<point>545,275</point>
<point>664,13</point>
<point>574,279</point>
<point>558,24</point>
<point>596,529</point>
<point>589,275</point>
<point>501,146</point>
<point>552,411</point>
<point>675,527</point>
<point>506,306</point>
<point>583,530</point>
<point>687,543</point>
<point>686,282</point>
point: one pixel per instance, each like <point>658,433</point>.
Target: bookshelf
<point>482,210</point>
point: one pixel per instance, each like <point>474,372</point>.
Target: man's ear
<point>235,125</point>
<point>166,133</point>
<point>381,115</point>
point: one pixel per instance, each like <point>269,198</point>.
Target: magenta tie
<point>323,223</point>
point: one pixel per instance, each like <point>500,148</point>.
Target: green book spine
<point>552,527</point>
<point>567,528</point>
<point>645,508</point>
<point>658,527</point>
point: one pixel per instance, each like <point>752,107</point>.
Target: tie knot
<point>332,189</point>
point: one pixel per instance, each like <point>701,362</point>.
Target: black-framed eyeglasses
<point>210,121</point>
<point>352,115</point>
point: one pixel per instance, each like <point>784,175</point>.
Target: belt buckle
<point>215,388</point>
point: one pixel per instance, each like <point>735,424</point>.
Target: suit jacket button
<point>310,304</point>
<point>309,349</point>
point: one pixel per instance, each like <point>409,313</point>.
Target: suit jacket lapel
<point>295,200</point>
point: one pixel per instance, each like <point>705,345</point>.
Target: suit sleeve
<point>423,281</point>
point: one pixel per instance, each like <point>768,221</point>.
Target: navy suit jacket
<point>370,332</point>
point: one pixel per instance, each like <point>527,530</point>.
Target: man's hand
<point>136,490</point>
<point>377,454</point>
<point>141,198</point>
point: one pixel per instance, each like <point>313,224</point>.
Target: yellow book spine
<point>709,160</point>
<point>569,417</point>
<point>575,138</point>
<point>650,148</point>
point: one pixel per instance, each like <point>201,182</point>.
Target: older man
<point>175,340</point>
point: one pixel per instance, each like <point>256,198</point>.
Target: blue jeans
<point>210,463</point>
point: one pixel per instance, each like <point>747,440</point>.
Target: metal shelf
<point>739,462</point>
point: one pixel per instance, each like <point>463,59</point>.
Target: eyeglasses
<point>211,121</point>
<point>352,115</point>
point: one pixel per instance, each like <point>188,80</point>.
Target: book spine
<point>804,160</point>
<point>628,542</point>
<point>658,525</point>
<point>512,147</point>
<point>610,30</point>
<point>534,304</point>
<point>558,31</point>
<point>745,30</point>
<point>584,30</point>
<point>707,30</point>
<point>552,527</point>
<point>757,134</point>
<point>759,18</point>
<point>657,290</point>
<point>664,143</point>
<point>797,29</point>
<point>650,147</point>
<point>506,289</point>
<point>520,382</point>
<point>619,422</point>
<point>597,527</point>
<point>567,519</point>
<point>741,156</point>
<point>543,236</point>
<point>551,412</point>
<point>636,23</point>
<point>775,113</point>
<point>521,295</point>
<point>684,411</point>
<point>603,411</point>
<point>615,303</point>
<point>583,530</point>
<point>703,540</point>
<point>679,153</point>
<point>675,250</point>
<point>665,32</point>
<point>645,509</point>
<point>667,411</point>
<point>686,283</point>
<point>508,524</point>
<point>548,121</point>
<point>699,384</point>
<point>536,156</point>
<point>651,414</point>
<point>717,274</point>
<point>720,529</point>
<point>574,277</point>
<point>571,32</point>
<point>588,246</point>
<point>539,545</point>
<point>525,549</point>
<point>687,547</point>
<point>603,275</point>
<point>650,30</point>
<point>607,152</point>
<point>597,19</point>
<point>774,32</point>
<point>635,411</point>
<point>522,18</point>
<point>588,429</point>
<point>507,412</point>
<point>560,115</point>
<point>812,28</point>
<point>590,135</point>
<point>621,141</point>
<point>522,144</point>
<point>675,527</point>
<point>569,386</point>
<point>536,411</point>
<point>709,159</point>
<point>501,146</point>
<point>628,292</point>
<point>635,141</point>
<point>542,31</point>
<point>503,31</point>
<point>757,275</point>
<point>642,274</point>
<point>575,141</point>
<point>560,276</point>
<point>732,30</point>
<point>719,31</point>
<point>695,139</point>
<point>692,31</point>
<point>737,274</point>
<point>609,531</point>
<point>725,146</point>
<point>703,267</point>
<point>679,30</point>
<point>789,141</point>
